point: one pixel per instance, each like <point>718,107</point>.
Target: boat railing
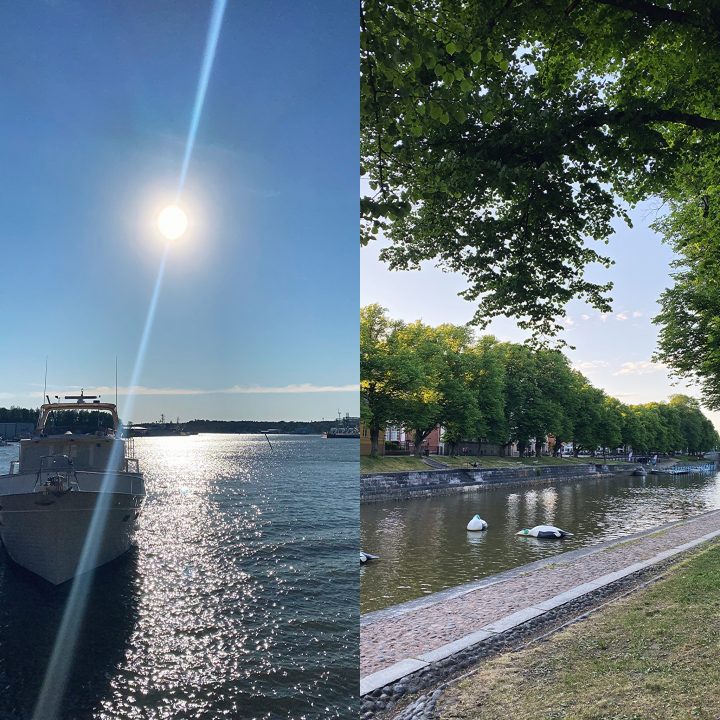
<point>56,474</point>
<point>131,465</point>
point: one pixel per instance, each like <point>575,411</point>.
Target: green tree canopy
<point>443,395</point>
<point>499,137</point>
<point>389,371</point>
<point>488,377</point>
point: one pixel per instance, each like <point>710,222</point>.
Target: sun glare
<point>172,222</point>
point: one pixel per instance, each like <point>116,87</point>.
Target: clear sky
<point>257,317</point>
<point>614,351</point>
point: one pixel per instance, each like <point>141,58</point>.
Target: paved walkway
<point>404,632</point>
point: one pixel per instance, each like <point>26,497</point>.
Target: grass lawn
<point>651,656</point>
<point>486,461</point>
<point>403,463</point>
<point>391,464</point>
<point>688,459</point>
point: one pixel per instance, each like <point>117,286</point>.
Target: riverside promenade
<point>406,639</point>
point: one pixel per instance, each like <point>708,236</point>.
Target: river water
<point>424,546</point>
<point>239,601</point>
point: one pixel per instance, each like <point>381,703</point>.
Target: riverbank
<point>416,645</point>
<point>651,655</point>
<point>376,487</point>
<point>403,463</point>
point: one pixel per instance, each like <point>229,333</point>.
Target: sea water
<point>238,601</point>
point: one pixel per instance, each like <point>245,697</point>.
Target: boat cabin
<point>84,449</point>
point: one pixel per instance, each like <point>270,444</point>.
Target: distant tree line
<point>60,420</point>
<point>418,377</point>
<point>17,414</point>
<point>88,421</point>
<point>255,426</point>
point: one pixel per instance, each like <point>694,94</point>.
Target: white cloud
<point>591,364</point>
<point>109,392</point>
<point>604,316</point>
<point>584,317</point>
<point>568,321</point>
<point>643,367</point>
<point>637,314</point>
<point>304,388</point>
<point>622,316</point>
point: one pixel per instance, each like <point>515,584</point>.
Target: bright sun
<point>172,222</point>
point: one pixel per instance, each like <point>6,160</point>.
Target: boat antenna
<point>45,386</point>
<point>116,380</point>
<point>268,439</point>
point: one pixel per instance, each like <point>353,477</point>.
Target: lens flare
<point>208,59</point>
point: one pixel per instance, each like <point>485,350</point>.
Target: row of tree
<point>17,414</point>
<point>419,377</point>
<point>87,420</point>
<point>75,420</point>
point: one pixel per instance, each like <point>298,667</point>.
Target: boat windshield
<point>86,415</point>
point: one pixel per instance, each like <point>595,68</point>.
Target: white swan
<point>477,523</point>
<point>544,531</point>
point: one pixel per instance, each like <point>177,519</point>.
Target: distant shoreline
<point>271,427</point>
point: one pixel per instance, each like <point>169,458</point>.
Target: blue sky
<point>262,291</point>
<point>614,350</point>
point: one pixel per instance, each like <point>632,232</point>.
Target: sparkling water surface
<point>239,601</point>
<point>425,547</point>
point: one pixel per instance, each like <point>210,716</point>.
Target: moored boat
<point>347,428</point>
<point>66,486</point>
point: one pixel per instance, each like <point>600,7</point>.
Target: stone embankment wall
<point>422,483</point>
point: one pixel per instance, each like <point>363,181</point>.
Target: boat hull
<point>45,532</point>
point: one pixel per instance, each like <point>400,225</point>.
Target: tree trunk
<point>374,437</point>
<point>419,437</point>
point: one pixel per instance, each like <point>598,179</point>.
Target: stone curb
<point>410,666</point>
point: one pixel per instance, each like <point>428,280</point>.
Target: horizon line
<point>300,388</point>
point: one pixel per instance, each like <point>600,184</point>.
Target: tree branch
<point>678,116</point>
<point>658,12</point>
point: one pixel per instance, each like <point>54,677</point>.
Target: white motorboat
<point>60,482</point>
<point>546,532</point>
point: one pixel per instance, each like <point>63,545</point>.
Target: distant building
<point>365,444</point>
<point>402,440</point>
